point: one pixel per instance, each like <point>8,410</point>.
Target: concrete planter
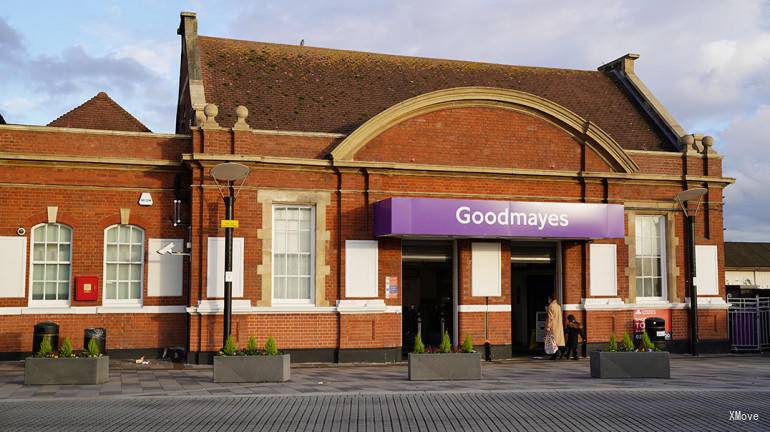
<point>259,368</point>
<point>444,367</point>
<point>654,364</point>
<point>91,370</point>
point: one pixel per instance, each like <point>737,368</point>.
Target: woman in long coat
<point>555,326</point>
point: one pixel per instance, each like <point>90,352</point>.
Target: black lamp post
<point>682,198</point>
<point>229,172</point>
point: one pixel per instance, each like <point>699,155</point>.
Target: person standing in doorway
<point>555,326</point>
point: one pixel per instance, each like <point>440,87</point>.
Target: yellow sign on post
<point>228,223</point>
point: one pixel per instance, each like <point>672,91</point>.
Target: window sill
<point>652,301</point>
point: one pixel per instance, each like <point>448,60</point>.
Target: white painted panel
<point>215,271</point>
<point>763,279</point>
<point>361,268</point>
<point>164,272</point>
<point>13,265</point>
<point>706,270</point>
<point>485,270</point>
<point>739,277</point>
<point>603,270</point>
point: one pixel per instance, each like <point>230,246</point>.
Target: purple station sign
<point>483,218</point>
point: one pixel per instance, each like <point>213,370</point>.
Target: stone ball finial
<point>687,140</point>
<point>241,112</point>
<point>708,141</point>
<point>211,111</point>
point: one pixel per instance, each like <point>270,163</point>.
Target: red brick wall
<point>124,331</point>
<point>370,330</point>
<point>90,200</point>
<point>712,324</point>
<point>290,330</point>
<point>497,325</point>
<point>490,137</point>
<point>43,142</point>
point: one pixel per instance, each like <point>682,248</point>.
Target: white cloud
<point>707,61</point>
<point>746,141</point>
<point>161,57</point>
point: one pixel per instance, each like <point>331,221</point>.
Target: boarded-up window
<point>361,268</point>
<point>707,280</point>
<point>603,271</point>
<point>164,272</point>
<point>485,269</point>
<point>215,274</point>
<point>13,262</point>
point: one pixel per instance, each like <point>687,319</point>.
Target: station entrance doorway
<point>428,280</point>
<point>535,274</point>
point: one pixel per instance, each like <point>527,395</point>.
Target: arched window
<point>123,264</point>
<point>51,263</point>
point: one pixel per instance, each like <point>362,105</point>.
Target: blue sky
<point>707,61</point>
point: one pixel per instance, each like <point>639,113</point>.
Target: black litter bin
<point>655,328</point>
<point>100,334</point>
<point>43,329</point>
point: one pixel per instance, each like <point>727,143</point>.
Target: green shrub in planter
<point>271,348</point>
<point>647,344</point>
<point>92,350</point>
<point>612,345</point>
<point>467,346</point>
<point>45,350</point>
<point>65,350</point>
<point>628,344</point>
<point>251,347</point>
<point>419,347</point>
<point>230,348</point>
<point>446,344</point>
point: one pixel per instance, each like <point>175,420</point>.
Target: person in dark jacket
<point>573,330</point>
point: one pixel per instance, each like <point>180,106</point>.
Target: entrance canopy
<point>484,218</point>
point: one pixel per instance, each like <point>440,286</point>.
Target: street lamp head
<point>229,171</point>
<point>690,195</point>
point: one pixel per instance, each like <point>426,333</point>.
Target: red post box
<point>86,288</point>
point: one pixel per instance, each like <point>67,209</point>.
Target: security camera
<point>167,249</point>
<point>21,231</point>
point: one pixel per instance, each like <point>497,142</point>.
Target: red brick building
<point>337,142</point>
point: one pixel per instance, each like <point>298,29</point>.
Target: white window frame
<point>308,301</point>
<point>138,301</point>
<point>32,262</point>
<point>663,260</point>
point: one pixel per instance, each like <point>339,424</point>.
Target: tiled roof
<point>745,254</point>
<point>324,90</point>
<point>100,112</point>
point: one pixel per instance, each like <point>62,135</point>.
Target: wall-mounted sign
<point>391,287</point>
<point>228,223</point>
<point>641,314</point>
<point>145,199</point>
<point>486,218</point>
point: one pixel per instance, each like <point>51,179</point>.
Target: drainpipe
<point>339,259</point>
<point>365,173</point>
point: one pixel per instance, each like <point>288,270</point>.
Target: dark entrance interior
<point>427,291</point>
<point>533,279</point>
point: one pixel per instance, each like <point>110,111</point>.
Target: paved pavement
<point>521,394</point>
